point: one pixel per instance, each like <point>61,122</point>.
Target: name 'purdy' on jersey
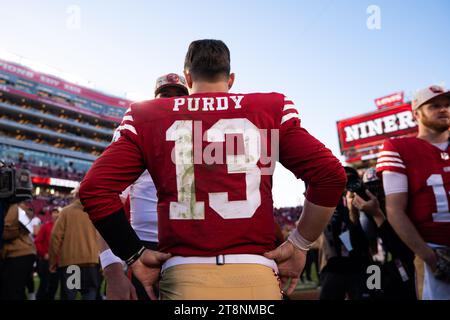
<point>208,103</point>
<point>199,202</point>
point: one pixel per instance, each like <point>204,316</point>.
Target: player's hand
<point>118,286</point>
<point>353,212</point>
<point>370,207</point>
<point>146,269</point>
<point>291,262</point>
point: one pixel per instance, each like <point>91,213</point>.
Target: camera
<point>15,183</point>
<point>355,183</point>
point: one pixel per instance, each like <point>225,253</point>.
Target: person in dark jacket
<point>397,280</point>
<point>345,248</point>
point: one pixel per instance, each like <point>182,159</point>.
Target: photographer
<point>17,252</point>
<point>397,279</point>
<point>3,207</point>
<point>18,255</point>
<point>346,251</point>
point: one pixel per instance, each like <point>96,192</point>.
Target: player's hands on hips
<point>118,286</point>
<point>291,262</point>
<point>146,269</point>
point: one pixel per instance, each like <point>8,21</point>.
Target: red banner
<point>58,83</point>
<point>376,126</point>
<point>390,100</point>
<point>55,182</point>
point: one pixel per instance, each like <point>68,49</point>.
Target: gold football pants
<point>219,282</point>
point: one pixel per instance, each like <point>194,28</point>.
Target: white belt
<point>221,260</point>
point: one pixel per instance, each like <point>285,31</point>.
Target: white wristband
<point>107,257</point>
<point>298,241</point>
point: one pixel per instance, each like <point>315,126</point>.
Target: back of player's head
<point>208,60</point>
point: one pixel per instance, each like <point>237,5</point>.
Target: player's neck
<point>203,87</point>
<point>432,136</point>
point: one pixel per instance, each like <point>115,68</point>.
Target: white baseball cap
<point>425,95</point>
<point>170,80</point>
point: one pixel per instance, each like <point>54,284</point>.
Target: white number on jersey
<point>437,183</point>
<point>187,207</point>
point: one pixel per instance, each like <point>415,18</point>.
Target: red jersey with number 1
<point>428,170</point>
<point>207,155</point>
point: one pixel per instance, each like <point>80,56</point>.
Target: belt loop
<point>220,259</point>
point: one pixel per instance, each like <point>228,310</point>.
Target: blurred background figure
<point>33,227</point>
<point>345,252</point>
<point>74,243</point>
<point>390,253</point>
<point>48,281</point>
<point>17,255</point>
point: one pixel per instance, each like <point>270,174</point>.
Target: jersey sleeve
<point>309,159</point>
<point>119,166</point>
<point>389,159</point>
<point>394,182</point>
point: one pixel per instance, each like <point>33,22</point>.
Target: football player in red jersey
<point>205,154</point>
<point>416,180</point>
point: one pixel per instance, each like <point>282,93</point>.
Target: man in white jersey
<point>142,200</point>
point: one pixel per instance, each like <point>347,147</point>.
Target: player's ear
<point>416,115</point>
<point>188,78</point>
<point>231,80</point>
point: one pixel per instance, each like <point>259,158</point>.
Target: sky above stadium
<point>333,58</point>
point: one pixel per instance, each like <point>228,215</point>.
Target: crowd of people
<point>41,248</point>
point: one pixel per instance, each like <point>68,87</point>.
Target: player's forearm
<point>113,271</point>
<point>313,220</point>
<point>102,245</point>
<point>408,233</point>
<point>119,235</point>
<point>109,262</point>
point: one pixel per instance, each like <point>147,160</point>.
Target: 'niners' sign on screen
<point>376,126</point>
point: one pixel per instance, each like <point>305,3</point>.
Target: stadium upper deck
<point>55,127</point>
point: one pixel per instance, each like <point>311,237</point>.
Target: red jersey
<point>428,170</point>
<point>208,157</point>
<point>43,237</point>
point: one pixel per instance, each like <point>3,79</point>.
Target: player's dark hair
<point>208,60</point>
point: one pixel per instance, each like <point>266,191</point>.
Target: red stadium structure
<point>361,137</point>
<point>53,127</point>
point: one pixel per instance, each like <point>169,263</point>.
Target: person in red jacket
<point>48,281</point>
